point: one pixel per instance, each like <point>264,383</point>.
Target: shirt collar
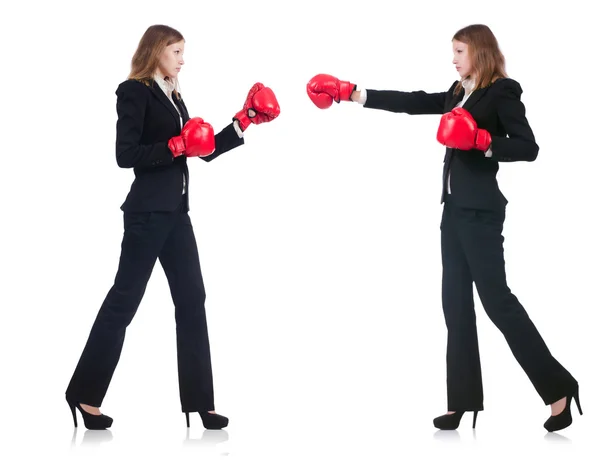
<point>167,85</point>
<point>468,84</point>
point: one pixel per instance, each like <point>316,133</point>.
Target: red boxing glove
<point>261,106</point>
<point>197,139</point>
<point>324,89</point>
<point>459,130</point>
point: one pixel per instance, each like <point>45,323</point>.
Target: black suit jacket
<point>146,122</point>
<point>496,108</point>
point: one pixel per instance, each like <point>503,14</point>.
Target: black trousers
<point>472,252</point>
<point>168,236</point>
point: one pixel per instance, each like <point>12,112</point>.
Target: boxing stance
<point>482,124</point>
<point>151,141</point>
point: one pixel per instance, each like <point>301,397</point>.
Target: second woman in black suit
<point>483,123</point>
<point>155,136</point>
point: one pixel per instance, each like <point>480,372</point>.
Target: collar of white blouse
<point>166,84</point>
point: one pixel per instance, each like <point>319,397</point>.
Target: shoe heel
<point>474,418</point>
<point>576,398</point>
<point>187,419</point>
<point>72,407</point>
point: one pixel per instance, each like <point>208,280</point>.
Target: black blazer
<point>146,122</point>
<point>496,108</point>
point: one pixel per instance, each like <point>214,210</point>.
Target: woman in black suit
<point>151,141</point>
<point>483,123</point>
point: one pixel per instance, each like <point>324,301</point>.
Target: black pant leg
<point>463,368</point>
<point>180,261</point>
<point>143,237</point>
<point>480,233</point>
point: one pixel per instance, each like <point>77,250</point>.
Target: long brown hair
<point>486,58</point>
<point>147,56</point>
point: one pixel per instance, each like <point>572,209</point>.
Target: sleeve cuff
<point>237,128</point>
<point>362,99</point>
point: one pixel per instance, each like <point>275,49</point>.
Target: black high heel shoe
<point>209,420</point>
<point>451,421</point>
<point>91,421</point>
<point>564,419</point>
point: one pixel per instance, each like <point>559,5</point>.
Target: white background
<point>318,239</point>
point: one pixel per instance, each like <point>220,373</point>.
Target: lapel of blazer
<point>184,112</point>
<point>469,103</point>
<point>475,96</point>
<point>157,91</point>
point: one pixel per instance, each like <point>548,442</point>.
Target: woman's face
<point>171,60</point>
<point>461,58</point>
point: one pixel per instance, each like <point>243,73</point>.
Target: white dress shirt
<point>467,85</point>
<point>168,87</point>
